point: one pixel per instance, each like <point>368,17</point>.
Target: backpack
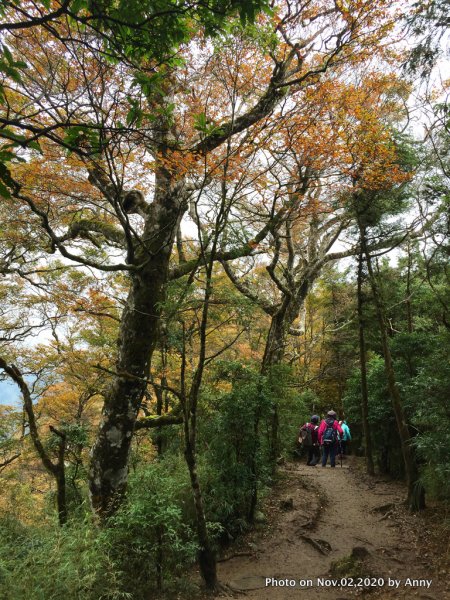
<point>330,434</point>
<point>305,437</point>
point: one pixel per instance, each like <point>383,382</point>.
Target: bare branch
<point>242,287</point>
<point>8,461</point>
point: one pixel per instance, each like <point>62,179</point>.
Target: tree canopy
<point>216,220</point>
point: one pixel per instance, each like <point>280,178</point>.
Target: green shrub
<point>233,457</point>
<point>428,394</point>
<point>149,541</point>
<point>43,563</point>
<point>152,536</point>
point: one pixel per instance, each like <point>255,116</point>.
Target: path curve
<point>323,516</point>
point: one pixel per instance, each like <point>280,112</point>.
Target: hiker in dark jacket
<point>310,440</point>
<point>328,438</point>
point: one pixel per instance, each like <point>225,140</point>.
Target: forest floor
<point>326,525</point>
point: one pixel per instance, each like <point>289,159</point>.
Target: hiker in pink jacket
<point>328,437</point>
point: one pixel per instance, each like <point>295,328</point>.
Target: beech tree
<point>135,134</point>
<point>363,368</point>
<point>313,187</point>
<point>179,181</point>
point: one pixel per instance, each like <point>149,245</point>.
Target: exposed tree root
<point>321,546</point>
<point>227,590</point>
<point>235,555</point>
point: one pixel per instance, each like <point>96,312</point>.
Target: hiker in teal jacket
<point>346,437</point>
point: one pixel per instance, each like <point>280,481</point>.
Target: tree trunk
<point>274,350</point>
<point>273,355</point>
<point>59,473</point>
<point>60,478</point>
<point>408,295</point>
<point>138,336</point>
<point>138,332</point>
<point>206,554</point>
<point>363,369</point>
<point>254,471</point>
<point>275,343</point>
<point>409,310</point>
<point>415,495</point>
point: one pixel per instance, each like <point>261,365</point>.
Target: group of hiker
<point>329,439</point>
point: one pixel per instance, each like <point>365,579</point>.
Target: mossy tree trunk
<point>363,370</point>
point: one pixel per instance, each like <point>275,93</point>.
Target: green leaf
<point>132,115</point>
<point>200,122</point>
<point>10,135</point>
<point>5,178</point>
<point>7,53</point>
<point>4,192</point>
<point>35,146</point>
<point>78,5</point>
<point>11,72</point>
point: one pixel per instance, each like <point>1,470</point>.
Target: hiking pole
<point>340,452</point>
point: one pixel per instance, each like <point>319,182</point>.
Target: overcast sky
<point>9,394</point>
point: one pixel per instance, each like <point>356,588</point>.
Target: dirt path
<point>333,524</point>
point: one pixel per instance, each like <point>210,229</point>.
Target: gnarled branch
<point>158,421</point>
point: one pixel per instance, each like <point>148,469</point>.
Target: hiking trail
<point>334,524</point>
